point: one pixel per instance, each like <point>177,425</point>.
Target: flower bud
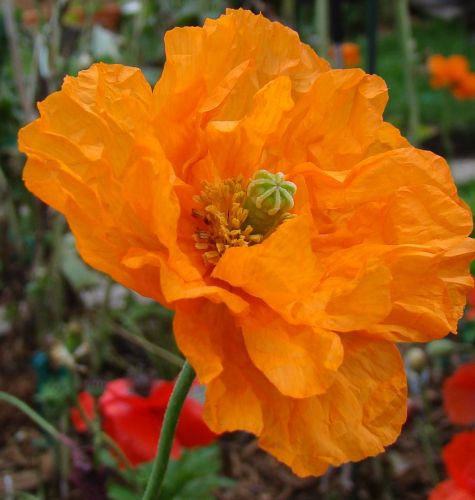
<point>416,359</point>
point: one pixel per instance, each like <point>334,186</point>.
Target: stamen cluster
<point>224,218</point>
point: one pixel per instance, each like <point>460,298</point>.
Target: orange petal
<point>341,103</point>
<point>361,412</point>
<point>279,270</point>
<point>459,395</point>
<point>93,157</point>
<point>345,300</point>
<point>176,288</point>
<point>248,51</point>
<point>235,147</point>
<point>200,328</point>
<point>299,360</point>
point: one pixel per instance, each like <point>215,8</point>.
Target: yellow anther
<point>236,216</point>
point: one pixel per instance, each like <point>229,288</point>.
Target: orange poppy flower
<point>459,395</point>
<point>447,71</point>
<point>350,52</point>
<point>459,459</point>
<point>465,87</point>
<point>261,195</point>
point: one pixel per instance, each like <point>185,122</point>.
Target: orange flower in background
<point>465,88</point>
<point>260,195</point>
<point>459,459</point>
<point>459,395</point>
<point>134,421</point>
<point>350,52</point>
<point>454,73</point>
<point>447,71</point>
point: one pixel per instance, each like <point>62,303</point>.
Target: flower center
<point>235,215</point>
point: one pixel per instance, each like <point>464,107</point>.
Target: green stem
<point>131,333</point>
<point>445,125</point>
<point>322,27</point>
<point>405,34</point>
<point>288,12</point>
<point>56,277</point>
<point>175,404</point>
<point>38,419</point>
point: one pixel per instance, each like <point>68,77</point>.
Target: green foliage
<point>78,274</point>
<point>467,193</point>
<point>431,36</point>
<point>195,476</point>
<point>467,334</point>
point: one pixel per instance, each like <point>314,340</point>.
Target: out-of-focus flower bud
<point>60,356</point>
<point>416,359</point>
<point>440,348</point>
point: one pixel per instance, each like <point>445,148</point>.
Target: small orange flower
<point>350,52</point>
<point>465,87</point>
<point>447,71</point>
<point>459,395</point>
<point>260,195</point>
<point>459,459</point>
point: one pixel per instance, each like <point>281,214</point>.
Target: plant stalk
<point>175,404</point>
<point>322,27</point>
<point>36,417</point>
<point>405,33</point>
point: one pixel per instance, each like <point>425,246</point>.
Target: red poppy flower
<point>459,459</point>
<point>86,401</point>
<point>459,395</point>
<point>134,422</point>
<point>448,490</point>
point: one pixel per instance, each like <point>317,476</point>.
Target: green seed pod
<point>269,198</point>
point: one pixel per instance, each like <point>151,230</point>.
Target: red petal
<point>86,402</point>
<point>459,395</point>
<point>191,429</point>
<point>459,458</point>
<point>448,490</point>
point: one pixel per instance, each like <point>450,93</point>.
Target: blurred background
<point>65,328</point>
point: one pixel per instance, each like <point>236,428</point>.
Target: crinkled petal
<point>200,328</point>
<point>236,147</point>
<point>337,123</point>
<point>279,270</point>
<point>241,53</point>
<point>300,361</point>
<point>93,158</point>
<point>361,412</point>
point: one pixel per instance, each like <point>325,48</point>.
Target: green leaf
<point>78,274</point>
<point>195,476</point>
